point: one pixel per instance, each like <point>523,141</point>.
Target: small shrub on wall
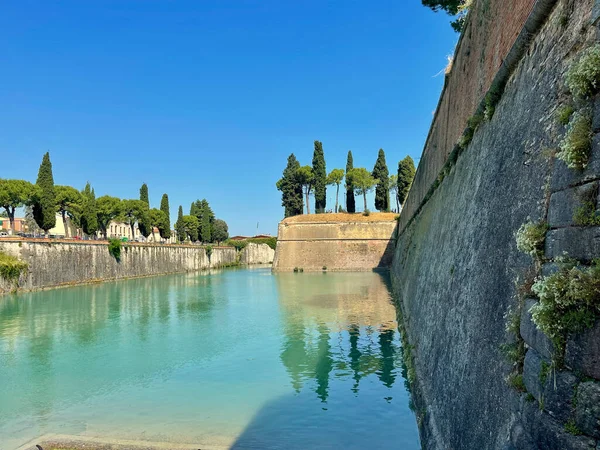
<point>583,78</point>
<point>11,268</point>
<point>114,248</point>
<point>576,146</point>
<point>530,238</point>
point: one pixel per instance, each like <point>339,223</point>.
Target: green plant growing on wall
<point>530,238</point>
<point>490,101</point>
<point>586,215</point>
<point>11,268</point>
<point>571,427</point>
<point>569,302</point>
<point>564,113</point>
<point>515,380</point>
<point>583,77</point>
<point>577,143</point>
<point>208,249</point>
<point>114,249</point>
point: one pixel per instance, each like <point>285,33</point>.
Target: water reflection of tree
<point>366,351</point>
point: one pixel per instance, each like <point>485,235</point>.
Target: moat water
<point>229,359</point>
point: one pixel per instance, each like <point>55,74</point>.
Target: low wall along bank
<point>54,264</point>
<point>338,242</point>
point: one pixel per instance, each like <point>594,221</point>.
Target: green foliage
<point>11,268</point>
<point>530,238</point>
<point>491,99</point>
<point>569,302</point>
<point>515,380</point>
<point>144,224</point>
<point>576,146</point>
<point>157,218</point>
<point>165,233</point>
<point>381,173</point>
<point>350,200</point>
<point>89,214</point>
<point>220,231</point>
<point>335,178</point>
<point>180,226</point>
<point>135,211</point>
<point>239,245</point>
<point>208,249</point>
<point>362,181</point>
<point>320,178</point>
<point>44,208</point>
<point>545,370</point>
<point>107,209</point>
<point>114,248</point>
<point>571,427</point>
<point>564,113</point>
<point>406,175</point>
<point>452,7</point>
<point>15,194</point>
<point>583,77</point>
<point>191,225</point>
<point>587,215</point>
<point>291,188</point>
<point>69,202</point>
<point>306,179</point>
<point>366,212</point>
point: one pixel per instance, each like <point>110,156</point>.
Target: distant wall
<point>53,264</point>
<point>257,254</point>
<point>345,246</point>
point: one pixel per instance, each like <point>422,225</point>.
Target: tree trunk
<point>307,201</point>
<point>132,232</point>
<point>64,218</point>
<point>11,220</point>
<point>365,197</point>
<point>337,194</point>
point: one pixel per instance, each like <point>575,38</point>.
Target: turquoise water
<point>237,358</point>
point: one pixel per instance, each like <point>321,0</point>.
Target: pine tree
<point>89,216</point>
<point>382,190</point>
<point>350,201</point>
<point>206,222</point>
<point>406,174</point>
<point>320,178</point>
<point>44,209</point>
<point>144,225</point>
<point>291,189</point>
<point>164,207</point>
<point>180,225</point>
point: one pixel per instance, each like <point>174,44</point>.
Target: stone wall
<point>456,267</point>
<point>342,246</point>
<point>492,29</point>
<point>257,254</point>
<point>58,264</point>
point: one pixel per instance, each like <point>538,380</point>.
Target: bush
<point>530,238</point>
<point>366,213</point>
<point>564,113</point>
<point>583,78</point>
<point>239,245</point>
<point>569,302</point>
<point>577,143</point>
<point>11,268</point>
<point>208,249</point>
<point>114,248</point>
<point>586,215</point>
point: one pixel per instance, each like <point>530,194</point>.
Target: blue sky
<point>206,99</point>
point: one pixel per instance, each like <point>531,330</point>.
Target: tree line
<point>298,182</point>
<point>93,215</point>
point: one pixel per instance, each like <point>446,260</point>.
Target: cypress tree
<point>320,178</point>
<point>180,225</point>
<point>382,190</point>
<point>406,174</point>
<point>350,201</point>
<point>164,207</point>
<point>206,221</point>
<point>89,217</point>
<point>144,225</point>
<point>291,188</point>
<point>44,209</point>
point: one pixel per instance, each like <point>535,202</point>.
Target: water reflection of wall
<point>337,330</point>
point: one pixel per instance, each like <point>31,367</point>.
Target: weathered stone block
<point>534,337</point>
<point>583,352</point>
<point>563,177</point>
<point>531,373</point>
<point>549,269</point>
<point>582,243</point>
<point>587,412</point>
<point>559,390</point>
<point>564,204</point>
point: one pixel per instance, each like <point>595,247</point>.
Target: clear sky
<point>206,99</point>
